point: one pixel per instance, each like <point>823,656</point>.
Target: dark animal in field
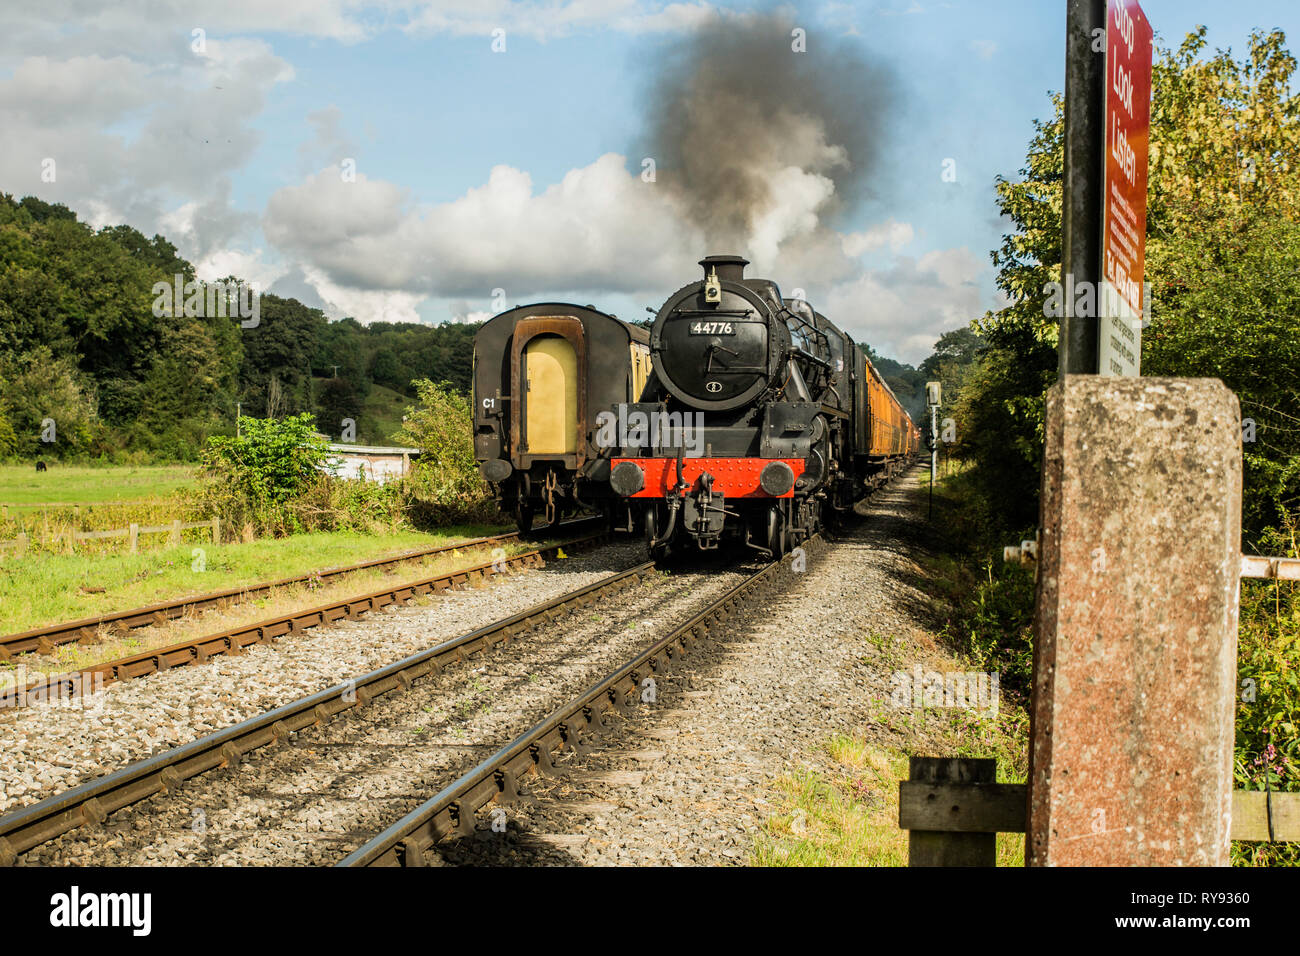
<point>40,466</point>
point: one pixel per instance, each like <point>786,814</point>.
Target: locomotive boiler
<point>764,419</point>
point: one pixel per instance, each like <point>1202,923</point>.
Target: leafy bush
<point>253,477</point>
<point>444,484</point>
<point>1268,701</point>
<point>987,605</point>
<point>345,504</point>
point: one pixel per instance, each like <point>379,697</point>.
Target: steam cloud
<point>760,144</point>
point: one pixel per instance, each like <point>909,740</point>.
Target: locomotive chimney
<point>730,268</point>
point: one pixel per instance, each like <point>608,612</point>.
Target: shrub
<point>254,476</point>
<point>1268,699</point>
<point>444,484</point>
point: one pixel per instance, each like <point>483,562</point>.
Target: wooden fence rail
<point>131,533</point>
<point>953,811</point>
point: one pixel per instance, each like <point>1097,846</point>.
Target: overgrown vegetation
<point>1268,708</point>
<point>445,484</point>
<point>846,814</point>
<point>1223,240</point>
<point>276,476</point>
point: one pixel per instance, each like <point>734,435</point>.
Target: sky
<point>440,160</point>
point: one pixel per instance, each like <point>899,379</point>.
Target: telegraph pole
<point>1085,148</point>
<point>934,395</point>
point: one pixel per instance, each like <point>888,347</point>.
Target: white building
<point>370,462</point>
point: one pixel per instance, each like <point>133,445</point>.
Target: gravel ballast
<point>690,779</point>
<point>334,786</point>
<point>52,747</point>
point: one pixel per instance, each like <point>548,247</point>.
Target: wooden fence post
<point>216,530</point>
<point>175,538</point>
<point>133,537</point>
<point>946,848</point>
<point>22,543</point>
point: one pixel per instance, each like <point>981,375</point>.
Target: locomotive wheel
<point>777,534</point>
<point>524,517</point>
<point>651,525</point>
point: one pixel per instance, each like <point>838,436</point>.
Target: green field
<point>47,589</point>
<point>24,486</point>
<point>381,415</point>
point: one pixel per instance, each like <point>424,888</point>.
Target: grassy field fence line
<point>132,533</point>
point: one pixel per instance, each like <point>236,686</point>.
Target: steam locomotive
<point>760,420</point>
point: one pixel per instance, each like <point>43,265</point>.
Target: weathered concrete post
<point>1135,651</point>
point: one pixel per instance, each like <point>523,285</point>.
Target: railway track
<point>574,727</point>
<point>44,640</point>
<point>570,727</point>
<point>233,641</point>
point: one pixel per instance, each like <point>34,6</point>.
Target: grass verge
<point>846,813</point>
<point>44,589</point>
<point>281,601</point>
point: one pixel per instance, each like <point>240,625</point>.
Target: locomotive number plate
<point>712,328</point>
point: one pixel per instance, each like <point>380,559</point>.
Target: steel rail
<point>571,726</point>
<point>92,802</point>
<point>90,680</point>
<point>44,640</point>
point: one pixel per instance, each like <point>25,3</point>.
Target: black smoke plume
<point>732,105</point>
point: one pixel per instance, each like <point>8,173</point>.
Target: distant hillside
<point>86,339</point>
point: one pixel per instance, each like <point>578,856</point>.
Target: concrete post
<point>1135,651</point>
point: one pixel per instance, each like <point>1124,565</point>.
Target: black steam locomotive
<point>760,419</point>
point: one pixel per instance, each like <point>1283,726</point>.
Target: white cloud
<point>366,305</point>
<point>545,19</point>
<point>371,252</point>
<point>330,143</point>
<point>251,267</point>
<point>902,310</point>
<point>148,131</point>
<point>893,233</point>
<point>600,227</point>
<point>149,136</point>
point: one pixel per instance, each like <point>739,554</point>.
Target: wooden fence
<point>70,537</point>
<point>953,811</point>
